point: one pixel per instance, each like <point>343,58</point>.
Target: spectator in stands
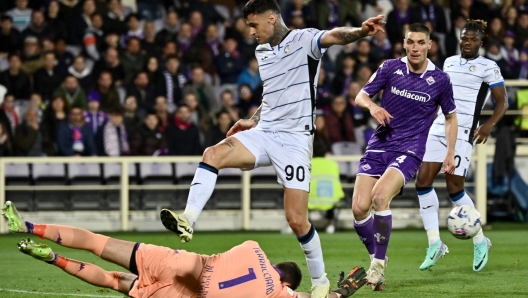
<point>47,79</point>
<point>133,22</point>
<point>184,38</point>
<point>347,49</point>
<point>495,30</point>
<point>339,122</point>
<point>343,78</point>
<point>8,107</point>
<point>229,64</point>
<point>380,46</point>
<point>363,74</point>
<point>213,40</point>
<point>219,131</point>
<point>132,115</point>
<point>245,98</point>
<point>171,48</point>
<point>208,12</point>
<point>521,30</point>
<point>72,92</point>
<point>148,44</point>
<point>511,18</point>
<point>93,116</point>
<point>321,141</point>
<point>15,79</point>
<point>170,29</point>
<point>508,50</point>
<point>521,70</point>
<point>142,91</point>
<point>227,101</point>
<point>132,59</point>
<point>172,83</point>
<point>6,144</point>
<point>236,31</point>
<point>164,117</point>
<point>183,137</point>
<point>250,75</point>
<point>427,10</point>
<point>53,116</point>
<point>112,64</point>
<point>324,91</point>
<point>21,15</point>
<point>471,10</point>
<point>74,138</point>
<point>114,135</point>
<point>31,55</point>
<point>248,44</point>
<point>297,9</point>
<point>81,22</point>
<point>38,27</point>
<point>204,91</point>
<point>197,24</point>
<point>335,13</point>
<point>434,54</point>
<point>453,38</point>
<point>494,53</point>
<point>199,115</point>
<point>55,23</point>
<point>83,74</point>
<point>93,39</point>
<point>63,58</point>
<point>29,137</point>
<point>10,38</point>
<point>363,53</point>
<point>147,138</point>
<point>107,92</point>
<point>115,19</point>
<point>359,116</point>
<point>36,102</point>
<point>68,11</point>
<point>399,16</point>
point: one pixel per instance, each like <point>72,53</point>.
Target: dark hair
<point>118,110</point>
<point>260,6</point>
<point>14,54</point>
<point>220,112</point>
<point>132,15</point>
<point>7,18</point>
<point>478,26</point>
<point>419,27</point>
<point>290,273</point>
<point>170,57</point>
<point>48,53</point>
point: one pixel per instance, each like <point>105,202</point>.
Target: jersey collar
<point>430,66</point>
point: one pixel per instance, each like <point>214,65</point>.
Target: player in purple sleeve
<point>413,89</point>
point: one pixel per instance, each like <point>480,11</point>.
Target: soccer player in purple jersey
<point>475,79</point>
<point>413,89</point>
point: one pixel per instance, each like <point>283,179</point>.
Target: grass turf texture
<point>506,274</point>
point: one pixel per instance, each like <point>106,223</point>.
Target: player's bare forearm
<point>499,94</point>
<point>451,131</point>
<point>341,36</point>
<point>256,116</point>
<point>364,101</point>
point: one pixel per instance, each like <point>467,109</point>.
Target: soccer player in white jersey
<point>474,79</point>
<point>280,133</point>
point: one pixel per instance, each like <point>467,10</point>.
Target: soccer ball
<point>464,222</point>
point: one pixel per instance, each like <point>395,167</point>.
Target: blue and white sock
<point>202,188</point>
<point>311,245</point>
<point>429,211</point>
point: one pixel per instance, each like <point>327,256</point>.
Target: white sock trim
<point>362,222</point>
<point>383,213</point>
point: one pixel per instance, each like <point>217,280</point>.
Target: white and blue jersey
<point>289,72</point>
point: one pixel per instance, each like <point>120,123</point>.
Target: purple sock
<point>382,227</point>
<point>364,231</point>
<point>30,227</point>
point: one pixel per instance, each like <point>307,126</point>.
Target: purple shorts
<point>374,163</point>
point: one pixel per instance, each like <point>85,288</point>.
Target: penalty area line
<point>56,294</point>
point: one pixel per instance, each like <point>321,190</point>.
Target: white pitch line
<point>57,294</point>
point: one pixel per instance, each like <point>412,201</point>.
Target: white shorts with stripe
<point>436,150</point>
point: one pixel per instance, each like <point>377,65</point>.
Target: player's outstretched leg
<point>64,235</point>
<point>429,211</point>
<point>202,188</point>
<point>480,242</point>
<point>87,272</point>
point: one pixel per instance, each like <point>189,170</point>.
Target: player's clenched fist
<point>380,114</point>
<point>241,125</point>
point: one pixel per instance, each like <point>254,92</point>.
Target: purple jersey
<point>413,100</point>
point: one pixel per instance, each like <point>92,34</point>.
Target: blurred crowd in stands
<point>169,77</point>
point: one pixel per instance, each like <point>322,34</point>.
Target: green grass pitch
<point>506,274</point>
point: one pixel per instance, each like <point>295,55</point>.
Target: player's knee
<point>298,224</point>
<point>212,156</point>
<point>380,201</point>
<point>360,212</point>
